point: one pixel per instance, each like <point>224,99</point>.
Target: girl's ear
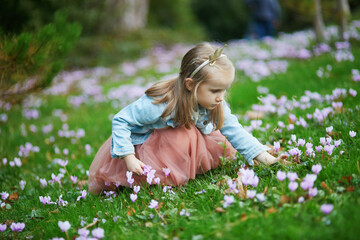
<point>189,83</point>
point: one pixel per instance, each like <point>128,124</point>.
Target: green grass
<point>248,219</point>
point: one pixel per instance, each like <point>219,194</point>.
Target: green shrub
<point>30,61</point>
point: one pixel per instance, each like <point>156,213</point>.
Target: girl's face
<point>211,92</point>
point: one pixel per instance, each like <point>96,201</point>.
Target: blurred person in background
<point>265,18</point>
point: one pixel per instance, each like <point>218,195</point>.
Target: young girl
<point>177,125</point>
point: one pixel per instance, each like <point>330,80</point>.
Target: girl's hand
<point>268,159</point>
<point>134,165</point>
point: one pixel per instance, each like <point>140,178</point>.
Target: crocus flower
<point>83,195</point>
<point>98,233</point>
<point>83,232</point>
<point>129,177</point>
<point>312,192</point>
<point>329,129</point>
<point>133,197</point>
<point>292,176</point>
<point>301,199</point>
<point>318,148</point>
<point>260,197</point>
<point>352,92</point>
<point>136,189</point>
<point>166,171</point>
<point>73,179</point>
<point>248,177</point>
<point>329,149</point>
<point>276,146</point>
<point>228,200</point>
<point>17,227</point>
<point>316,168</point>
<point>352,133</point>
<point>326,208</point>
<point>147,169</point>
<point>183,212</point>
<point>64,226</point>
<point>323,141</point>
<point>157,180</point>
<point>308,181</point>
<point>2,227</point>
<point>153,204</point>
<point>22,184</point>
<point>4,195</point>
<point>45,200</point>
<point>294,152</point>
<point>232,185</point>
<point>293,186</point>
<point>301,142</point>
<point>280,175</point>
<point>43,182</point>
<point>251,194</point>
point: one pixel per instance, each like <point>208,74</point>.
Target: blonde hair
<point>178,97</point>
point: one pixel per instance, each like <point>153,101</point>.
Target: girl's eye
<point>215,91</point>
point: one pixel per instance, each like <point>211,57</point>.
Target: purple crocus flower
<point>17,227</point>
<point>4,195</point>
<point>98,233</point>
<point>326,208</point>
<point>64,226</point>
<point>228,200</point>
<point>329,149</point>
<point>301,142</point>
<point>136,189</point>
<point>2,227</point>
<point>157,180</point>
<point>329,129</point>
<point>22,184</point>
<point>147,169</point>
<point>45,200</point>
<point>337,143</point>
<point>280,175</point>
<point>352,133</point>
<point>323,141</point>
<point>312,192</point>
<point>82,196</point>
<point>301,199</point>
<point>43,182</point>
<point>260,197</point>
<point>276,146</point>
<point>73,179</point>
<point>292,176</point>
<point>83,232</point>
<point>318,148</point>
<point>130,180</point>
<point>183,212</point>
<point>133,197</point>
<point>248,177</point>
<point>294,152</point>
<point>293,186</point>
<point>153,204</point>
<point>352,92</point>
<point>316,168</point>
<point>166,171</point>
<point>251,194</point>
<point>308,181</point>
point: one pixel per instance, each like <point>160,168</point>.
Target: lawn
<point>299,97</point>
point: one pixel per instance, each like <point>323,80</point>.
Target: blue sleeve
<point>240,139</point>
<point>139,115</point>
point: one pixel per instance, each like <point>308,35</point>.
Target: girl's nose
<point>219,98</point>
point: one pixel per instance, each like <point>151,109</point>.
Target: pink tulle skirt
<point>186,152</point>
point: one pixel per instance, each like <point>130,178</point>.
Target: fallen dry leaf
<point>220,210</point>
<point>54,211</point>
<point>240,186</point>
<point>81,183</point>
<point>148,224</point>
<point>323,184</point>
<point>14,196</point>
<point>271,210</point>
<point>254,115</point>
<point>130,212</point>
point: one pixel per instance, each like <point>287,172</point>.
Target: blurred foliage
<point>30,61</point>
<point>223,20</point>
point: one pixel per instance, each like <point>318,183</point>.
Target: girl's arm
<point>240,139</point>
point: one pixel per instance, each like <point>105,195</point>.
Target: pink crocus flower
<point>260,197</point>
<point>157,180</point>
<point>329,129</point>
<point>166,171</point>
<point>326,208</point>
<point>183,212</point>
<point>312,192</point>
<point>352,133</point>
<point>251,194</point>
<point>147,169</point>
<point>232,185</point>
<point>98,233</point>
<point>293,186</point>
<point>228,200</point>
<point>82,196</point>
<point>329,149</point>
<point>73,179</point>
<point>4,195</point>
<point>153,203</point>
<point>136,189</point>
<point>45,200</point>
<point>22,184</point>
<point>64,226</point>
<point>316,168</point>
<point>83,232</point>
<point>17,227</point>
<point>280,175</point>
<point>133,197</point>
<point>337,143</point>
<point>301,142</point>
<point>352,92</point>
<point>301,199</point>
<point>130,180</point>
<point>43,182</point>
<point>292,176</point>
<point>276,146</point>
<point>318,148</point>
<point>3,227</point>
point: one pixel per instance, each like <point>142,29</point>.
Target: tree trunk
<point>125,15</point>
<point>344,15</point>
<point>318,22</point>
